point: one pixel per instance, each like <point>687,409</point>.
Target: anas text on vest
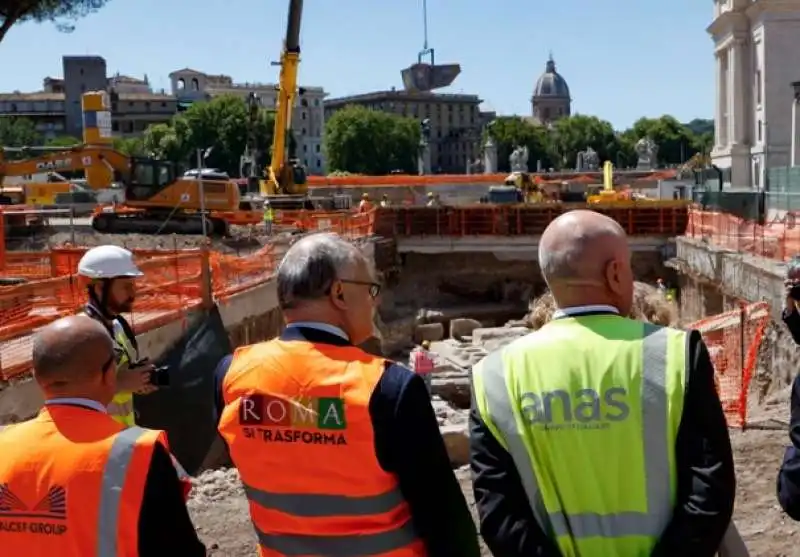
<point>310,420</point>
<point>586,408</point>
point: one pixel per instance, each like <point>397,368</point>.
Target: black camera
<point>159,377</point>
<point>794,293</point>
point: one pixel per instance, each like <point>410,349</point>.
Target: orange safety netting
<point>733,339</point>
<point>40,287</point>
<point>777,240</point>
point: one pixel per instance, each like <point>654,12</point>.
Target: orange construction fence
<point>777,240</point>
<point>733,339</point>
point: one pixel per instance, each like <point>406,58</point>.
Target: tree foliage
<point>221,124</point>
<point>676,142</point>
<point>576,133</point>
<point>18,132</point>
<point>63,13</point>
<point>364,141</point>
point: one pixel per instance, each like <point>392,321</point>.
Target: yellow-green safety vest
<point>588,407</point>
<point>121,407</point>
<point>268,214</point>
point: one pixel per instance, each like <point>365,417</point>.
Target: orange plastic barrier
<point>777,240</point>
<point>733,339</point>
<point>170,287</point>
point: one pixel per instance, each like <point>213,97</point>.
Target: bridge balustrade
<point>637,219</point>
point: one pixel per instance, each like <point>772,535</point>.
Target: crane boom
<point>283,175</point>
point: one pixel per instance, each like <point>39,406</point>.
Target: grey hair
<point>312,265</point>
<point>793,265</point>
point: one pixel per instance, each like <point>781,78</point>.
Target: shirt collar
<point>76,401</point>
<point>325,327</point>
<point>583,310</point>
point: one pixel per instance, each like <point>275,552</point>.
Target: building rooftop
<point>44,96</point>
<point>405,95</point>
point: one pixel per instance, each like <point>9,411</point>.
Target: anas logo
<point>585,409</point>
<point>310,420</point>
<point>44,518</point>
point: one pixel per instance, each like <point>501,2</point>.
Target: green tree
<point>364,141</point>
<point>676,142</point>
<point>63,141</point>
<point>18,132</point>
<point>574,134</point>
<point>509,132</point>
<point>63,13</point>
<point>221,124</point>
<point>131,146</point>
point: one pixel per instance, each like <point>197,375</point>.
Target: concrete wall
<point>713,280</point>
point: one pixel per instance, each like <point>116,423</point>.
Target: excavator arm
<point>286,176</point>
<point>101,165</point>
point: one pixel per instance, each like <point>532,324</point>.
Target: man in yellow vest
<point>598,435</point>
<point>269,217</point>
<point>112,291</point>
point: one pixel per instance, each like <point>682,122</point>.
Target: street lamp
<point>795,101</point>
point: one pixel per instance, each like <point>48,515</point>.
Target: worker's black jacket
<point>706,482</point>
<point>789,475</point>
<point>408,444</point>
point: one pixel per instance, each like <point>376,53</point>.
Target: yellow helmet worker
<point>612,426</point>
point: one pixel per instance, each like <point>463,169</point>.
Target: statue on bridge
<point>518,159</point>
<point>647,151</point>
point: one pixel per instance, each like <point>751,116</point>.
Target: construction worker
<point>433,200</point>
<point>598,434</point>
<point>422,362</point>
<point>269,216</point>
<point>366,205</point>
<point>112,291</point>
<point>75,483</point>
<point>385,202</point>
<point>339,450</point>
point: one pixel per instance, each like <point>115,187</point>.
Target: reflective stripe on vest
<point>115,472</point>
<point>655,406</point>
<point>307,505</point>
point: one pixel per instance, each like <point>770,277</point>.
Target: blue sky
<point>622,58</point>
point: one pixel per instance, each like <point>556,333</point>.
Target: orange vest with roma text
<point>297,423</point>
<point>71,484</point>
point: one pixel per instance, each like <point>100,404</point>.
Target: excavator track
<point>156,223</point>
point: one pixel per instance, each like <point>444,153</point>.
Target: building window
<point>303,115</point>
<point>317,149</point>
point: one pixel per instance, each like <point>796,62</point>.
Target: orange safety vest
<point>297,424</point>
<point>71,484</point>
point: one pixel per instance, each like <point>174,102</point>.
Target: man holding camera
<point>112,290</point>
<point>789,475</point>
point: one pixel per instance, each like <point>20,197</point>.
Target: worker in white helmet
<point>112,291</point>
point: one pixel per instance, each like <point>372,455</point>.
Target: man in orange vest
<point>76,483</point>
<point>339,451</point>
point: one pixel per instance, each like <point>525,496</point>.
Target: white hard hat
<point>107,262</point>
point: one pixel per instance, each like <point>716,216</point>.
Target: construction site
<point>460,276</point>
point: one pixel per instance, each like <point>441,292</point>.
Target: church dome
<point>551,84</point>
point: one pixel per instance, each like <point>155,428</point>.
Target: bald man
<point>598,434</point>
<point>73,481</point>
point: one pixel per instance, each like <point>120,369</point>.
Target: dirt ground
<point>224,525</point>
